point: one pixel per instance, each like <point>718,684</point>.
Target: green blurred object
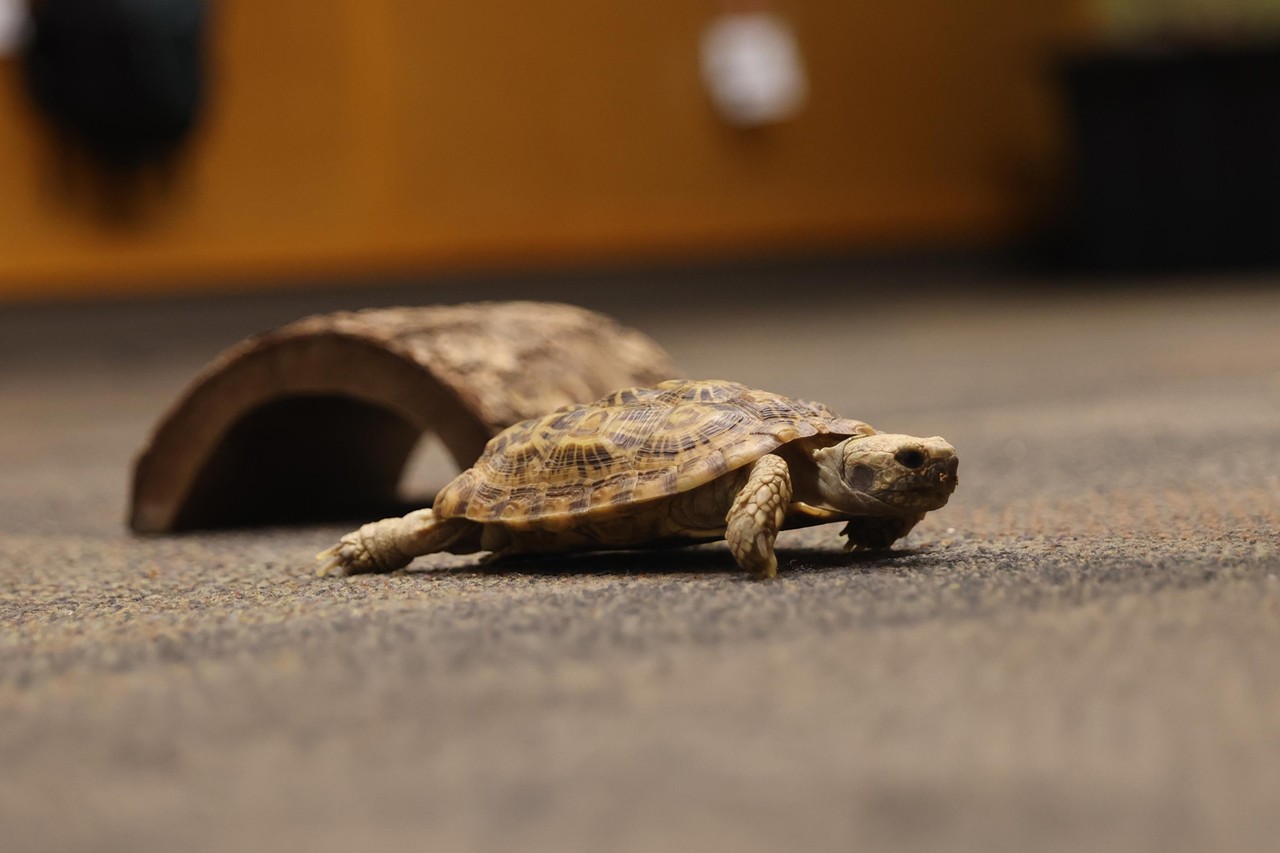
<point>1189,20</point>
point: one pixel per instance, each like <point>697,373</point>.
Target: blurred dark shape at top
<point>121,80</point>
<point>1176,158</point>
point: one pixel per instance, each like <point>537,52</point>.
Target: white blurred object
<point>752,68</point>
<point>13,25</point>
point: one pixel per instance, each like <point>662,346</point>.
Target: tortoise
<point>677,463</point>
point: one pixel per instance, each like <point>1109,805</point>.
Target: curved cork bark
<point>316,420</point>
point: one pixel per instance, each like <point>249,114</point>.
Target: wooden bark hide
<point>316,420</point>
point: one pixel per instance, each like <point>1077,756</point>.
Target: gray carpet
<point>1080,653</point>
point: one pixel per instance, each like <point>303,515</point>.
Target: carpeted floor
<point>1082,652</point>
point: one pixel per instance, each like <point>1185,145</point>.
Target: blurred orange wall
<point>350,137</point>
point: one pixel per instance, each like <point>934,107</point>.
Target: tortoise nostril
<point>910,457</point>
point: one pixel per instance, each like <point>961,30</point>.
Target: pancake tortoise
<point>678,463</point>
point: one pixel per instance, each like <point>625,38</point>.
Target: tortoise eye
<point>910,457</point>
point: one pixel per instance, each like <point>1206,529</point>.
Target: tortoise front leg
<point>869,533</point>
<point>756,516</point>
<point>390,544</point>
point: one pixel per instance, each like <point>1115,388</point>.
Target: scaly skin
<point>392,543</point>
<point>757,515</point>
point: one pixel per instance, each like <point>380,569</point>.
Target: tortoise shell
<point>635,445</point>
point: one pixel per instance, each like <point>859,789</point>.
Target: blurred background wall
<point>344,138</point>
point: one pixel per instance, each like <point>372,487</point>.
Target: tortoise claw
<point>330,563</point>
<point>349,556</point>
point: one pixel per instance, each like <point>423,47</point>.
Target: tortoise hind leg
<point>392,543</point>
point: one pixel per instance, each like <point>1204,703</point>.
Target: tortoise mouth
<point>941,474</point>
<point>929,487</point>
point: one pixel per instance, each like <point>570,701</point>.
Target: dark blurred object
<point>123,79</point>
<point>1177,159</point>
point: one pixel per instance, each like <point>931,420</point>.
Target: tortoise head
<point>886,474</point>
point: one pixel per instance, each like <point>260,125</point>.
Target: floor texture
<point>1081,652</point>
